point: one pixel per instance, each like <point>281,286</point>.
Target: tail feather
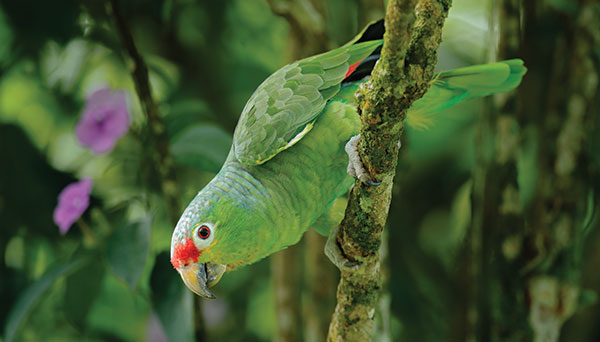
<point>447,88</point>
<point>464,84</point>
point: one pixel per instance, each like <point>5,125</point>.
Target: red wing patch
<point>351,69</point>
<point>184,253</point>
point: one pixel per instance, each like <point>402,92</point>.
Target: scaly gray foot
<point>355,165</point>
<point>337,257</point>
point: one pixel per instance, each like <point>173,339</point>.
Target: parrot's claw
<point>337,257</point>
<point>355,165</point>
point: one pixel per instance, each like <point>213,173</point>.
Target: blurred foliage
<point>205,60</point>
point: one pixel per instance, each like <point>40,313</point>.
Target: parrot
<point>289,160</point>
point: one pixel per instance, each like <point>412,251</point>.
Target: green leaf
<point>61,66</point>
<point>128,249</point>
<point>567,6</point>
<point>202,146</point>
<point>6,36</point>
<point>587,297</point>
<point>164,77</point>
<point>83,287</point>
<point>261,316</point>
<point>589,216</point>
<point>29,297</point>
<point>185,113</point>
<point>443,232</point>
<point>173,302</point>
<point>50,21</point>
<point>118,313</point>
<point>461,212</point>
<point>527,176</point>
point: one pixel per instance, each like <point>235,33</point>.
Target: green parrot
<point>289,161</point>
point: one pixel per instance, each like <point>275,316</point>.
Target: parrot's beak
<point>199,277</point>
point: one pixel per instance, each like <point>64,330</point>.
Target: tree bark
<point>532,233</point>
<point>320,288</point>
<point>307,37</point>
<point>564,181</point>
<point>287,281</point>
<point>498,217</point>
<point>401,76</point>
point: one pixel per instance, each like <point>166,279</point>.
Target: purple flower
<point>72,202</point>
<point>105,119</point>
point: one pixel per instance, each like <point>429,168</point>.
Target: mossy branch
<point>402,75</point>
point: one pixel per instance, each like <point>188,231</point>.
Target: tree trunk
<point>532,193</point>
<point>287,281</point>
<point>400,77</point>
<point>307,37</point>
<point>320,288</point>
<point>499,221</point>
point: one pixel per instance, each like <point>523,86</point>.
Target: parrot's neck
<point>254,211</point>
<point>238,187</point>
<point>268,197</point>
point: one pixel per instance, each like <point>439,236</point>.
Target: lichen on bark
<point>402,75</point>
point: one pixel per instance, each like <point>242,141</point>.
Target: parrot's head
<point>194,244</point>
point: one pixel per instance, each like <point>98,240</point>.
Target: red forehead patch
<point>184,252</point>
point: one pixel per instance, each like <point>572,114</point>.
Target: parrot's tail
<point>447,88</point>
<point>464,84</point>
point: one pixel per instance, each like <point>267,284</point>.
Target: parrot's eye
<point>203,232</point>
<point>203,235</point>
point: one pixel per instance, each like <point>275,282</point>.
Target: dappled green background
<point>205,60</point>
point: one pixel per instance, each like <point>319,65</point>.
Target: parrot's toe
<point>355,165</point>
<point>336,255</point>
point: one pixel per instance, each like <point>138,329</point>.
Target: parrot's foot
<point>336,255</point>
<point>355,165</point>
<point>356,168</point>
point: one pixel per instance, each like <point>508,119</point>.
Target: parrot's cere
<point>287,164</point>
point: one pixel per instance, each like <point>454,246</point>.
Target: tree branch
<point>401,76</point>
<point>163,170</point>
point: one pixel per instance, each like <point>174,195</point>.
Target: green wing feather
<point>284,107</point>
<point>464,84</point>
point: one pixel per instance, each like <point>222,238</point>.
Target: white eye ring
<point>203,235</point>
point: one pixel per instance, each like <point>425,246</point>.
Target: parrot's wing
<point>463,84</point>
<point>284,107</point>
